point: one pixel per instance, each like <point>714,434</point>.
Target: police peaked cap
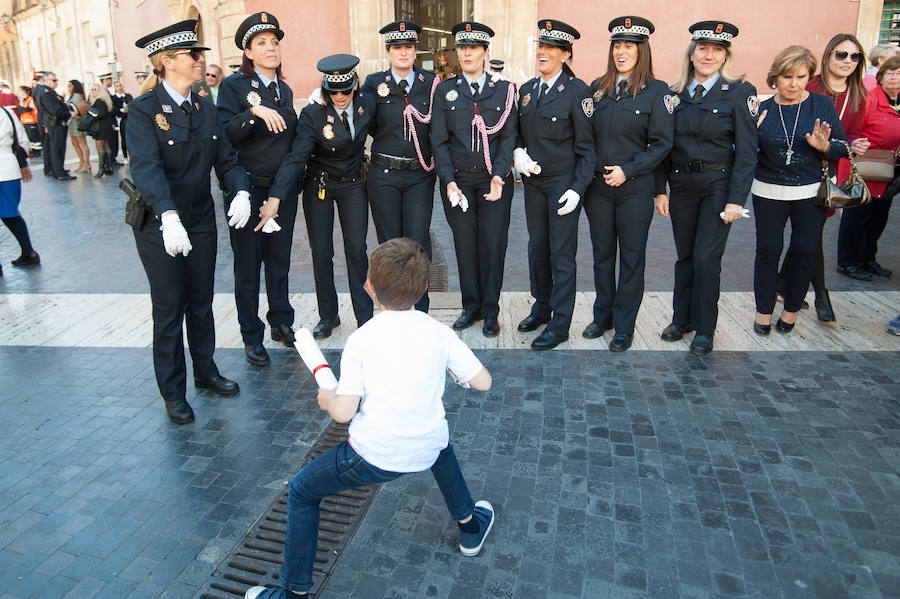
<point>256,23</point>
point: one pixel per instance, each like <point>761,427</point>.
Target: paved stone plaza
<point>764,474</point>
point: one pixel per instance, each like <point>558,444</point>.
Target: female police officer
<point>473,133</point>
<point>709,171</point>
<point>174,138</point>
<point>401,181</point>
<point>633,126</point>
<point>257,109</point>
<point>556,155</point>
<point>329,144</point>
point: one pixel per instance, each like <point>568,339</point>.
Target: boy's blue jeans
<point>338,469</point>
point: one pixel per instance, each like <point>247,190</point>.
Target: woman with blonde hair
<point>101,111</point>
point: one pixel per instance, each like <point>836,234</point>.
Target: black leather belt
<point>698,166</point>
<point>258,181</point>
<point>326,177</point>
<point>472,170</point>
<point>403,164</point>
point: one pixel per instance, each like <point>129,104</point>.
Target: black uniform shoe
<point>824,311</point>
<point>324,328</point>
<point>594,330</point>
<point>65,177</point>
<point>877,269</point>
<point>675,332</point>
<point>547,340</point>
<point>855,272</point>
<point>466,319</point>
<point>702,344</point>
<point>532,322</point>
<point>620,342</point>
<point>491,327</point>
<point>32,259</point>
<point>256,355</point>
<point>179,411</point>
<point>218,384</point>
<point>762,329</point>
<point>784,327</point>
<point>284,334</point>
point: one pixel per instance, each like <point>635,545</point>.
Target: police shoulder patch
<point>587,105</point>
<point>753,105</point>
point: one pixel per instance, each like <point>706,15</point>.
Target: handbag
<point>90,123</point>
<point>877,166</point>
<point>17,150</point>
<point>851,193</point>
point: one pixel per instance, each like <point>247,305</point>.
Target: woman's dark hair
<point>25,89</point>
<point>327,97</point>
<point>247,68</point>
<point>77,88</point>
<point>856,91</point>
<point>640,76</point>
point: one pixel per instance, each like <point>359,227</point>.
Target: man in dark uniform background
<point>106,80</point>
<point>37,91</point>
<point>53,116</point>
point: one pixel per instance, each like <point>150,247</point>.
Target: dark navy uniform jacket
<point>49,104</point>
<point>451,127</point>
<point>719,129</point>
<point>171,157</point>
<point>259,150</point>
<point>634,132</point>
<point>387,128</point>
<point>558,133</point>
<point>323,144</point>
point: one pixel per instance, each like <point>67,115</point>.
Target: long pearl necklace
<point>790,142</point>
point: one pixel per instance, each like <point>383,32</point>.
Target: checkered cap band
<point>468,37</point>
<point>176,38</point>
<point>342,78</point>
<point>254,30</point>
<point>633,30</point>
<point>709,34</point>
<point>558,35</point>
<point>393,36</point>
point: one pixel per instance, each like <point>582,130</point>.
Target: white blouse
<point>9,167</point>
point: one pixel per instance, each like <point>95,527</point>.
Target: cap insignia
<point>548,25</point>
<point>468,28</point>
<point>264,18</point>
<point>402,26</point>
<point>628,23</point>
<point>719,28</point>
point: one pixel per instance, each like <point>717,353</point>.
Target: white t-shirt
<point>397,364</point>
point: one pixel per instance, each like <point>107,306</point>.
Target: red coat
<point>881,126</point>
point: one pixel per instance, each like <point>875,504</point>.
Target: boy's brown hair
<point>398,271</point>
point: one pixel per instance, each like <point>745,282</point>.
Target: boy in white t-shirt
<point>393,371</point>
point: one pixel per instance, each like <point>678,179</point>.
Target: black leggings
<point>16,224</point>
<point>818,274</point>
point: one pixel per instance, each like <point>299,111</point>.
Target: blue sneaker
<point>470,543</point>
<point>893,327</point>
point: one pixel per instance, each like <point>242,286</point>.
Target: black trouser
<point>350,200</point>
<point>47,150</point>
<point>181,289</point>
<point>251,251</point>
<point>807,221</point>
<point>480,236</point>
<point>57,140</point>
<point>552,242</point>
<point>818,275</point>
<point>114,141</point>
<point>697,200</point>
<point>859,232</point>
<point>402,201</point>
<point>17,226</point>
<point>122,124</point>
<point>618,218</point>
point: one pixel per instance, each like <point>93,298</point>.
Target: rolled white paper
<point>312,356</point>
<point>745,213</point>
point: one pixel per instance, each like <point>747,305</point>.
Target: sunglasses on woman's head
<point>334,92</point>
<point>194,54</point>
<point>842,55</point>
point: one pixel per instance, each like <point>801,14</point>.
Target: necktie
<point>475,90</point>
<point>698,93</point>
<point>186,107</point>
<point>346,120</point>
<point>544,88</point>
<point>274,89</point>
<point>403,83</point>
<point>623,84</point>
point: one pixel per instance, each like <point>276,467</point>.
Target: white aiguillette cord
<point>789,142</point>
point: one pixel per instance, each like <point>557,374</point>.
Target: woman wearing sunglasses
<point>174,139</point>
<point>256,107</point>
<point>329,145</point>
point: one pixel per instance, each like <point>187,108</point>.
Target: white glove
<point>745,213</point>
<point>271,226</point>
<point>315,97</point>
<point>175,238</point>
<point>458,199</point>
<point>570,200</point>
<point>524,164</point>
<point>239,211</point>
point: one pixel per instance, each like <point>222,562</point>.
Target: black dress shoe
<point>824,311</point>
<point>620,342</point>
<point>532,322</point>
<point>701,345</point>
<point>877,269</point>
<point>179,411</point>
<point>675,332</point>
<point>325,326</point>
<point>32,259</point>
<point>65,177</point>
<point>256,354</point>
<point>855,272</point>
<point>491,327</point>
<point>594,330</point>
<point>284,334</point>
<point>466,319</point>
<point>784,327</point>
<point>762,329</point>
<point>547,340</point>
<point>218,384</point>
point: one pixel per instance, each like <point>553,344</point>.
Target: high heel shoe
<point>824,311</point>
<point>784,327</point>
<point>762,329</point>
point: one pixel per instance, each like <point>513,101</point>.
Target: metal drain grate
<point>257,558</point>
<point>438,281</point>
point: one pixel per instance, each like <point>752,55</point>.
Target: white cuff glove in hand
<point>315,97</point>
<point>175,238</point>
<point>745,213</point>
<point>271,226</point>
<point>524,164</point>
<point>458,199</point>
<point>570,201</point>
<point>239,211</point>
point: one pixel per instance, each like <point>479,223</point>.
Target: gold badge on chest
<point>161,122</point>
<point>253,99</point>
<point>383,90</point>
<point>328,131</point>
